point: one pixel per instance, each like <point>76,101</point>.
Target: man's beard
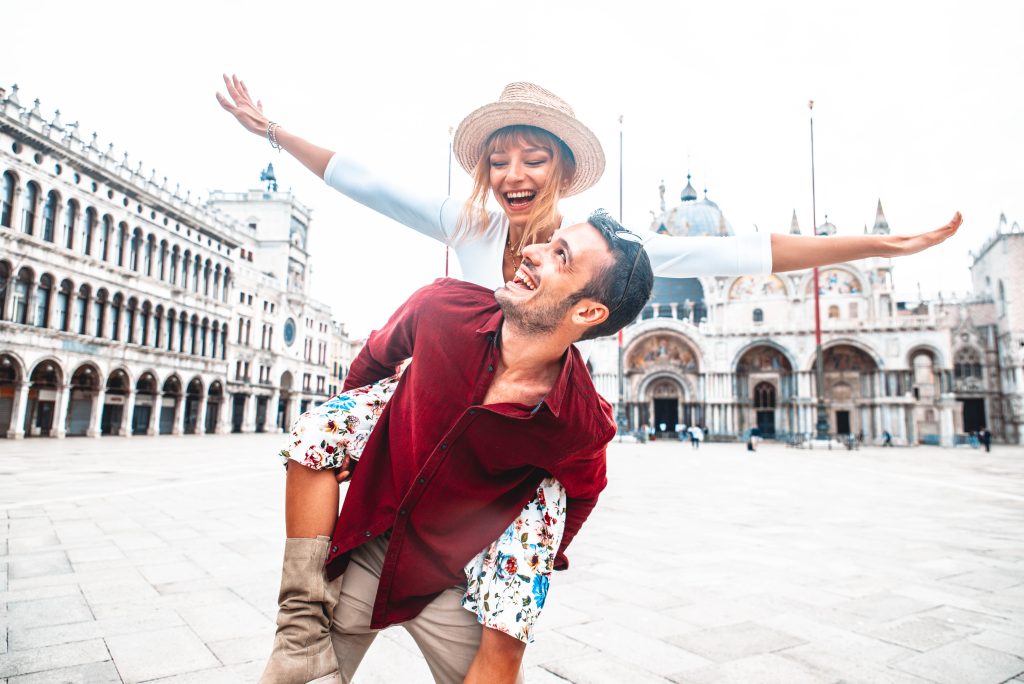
<point>532,318</point>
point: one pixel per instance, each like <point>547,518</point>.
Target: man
<point>495,399</point>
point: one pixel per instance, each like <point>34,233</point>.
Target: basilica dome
<point>692,216</point>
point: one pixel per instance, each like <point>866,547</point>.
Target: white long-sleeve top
<point>480,255</point>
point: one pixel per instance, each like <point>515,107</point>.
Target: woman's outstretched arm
<point>795,252</point>
<point>250,115</point>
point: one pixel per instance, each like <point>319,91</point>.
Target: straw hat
<point>526,104</point>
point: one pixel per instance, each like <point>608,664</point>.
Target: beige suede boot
<point>303,653</point>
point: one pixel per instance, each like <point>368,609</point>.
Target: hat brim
<point>472,133</point>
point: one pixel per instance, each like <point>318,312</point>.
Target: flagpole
<point>821,427</point>
<point>446,248</point>
<point>622,417</point>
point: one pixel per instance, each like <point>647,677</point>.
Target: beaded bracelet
<point>272,135</point>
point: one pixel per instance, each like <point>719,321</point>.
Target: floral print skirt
<point>506,583</point>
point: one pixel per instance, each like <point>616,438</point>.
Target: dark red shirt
<point>447,474</point>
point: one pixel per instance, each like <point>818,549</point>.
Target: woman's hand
<point>903,245</point>
<point>241,106</point>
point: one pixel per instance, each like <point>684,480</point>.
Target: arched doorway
<point>850,394</point>
<point>284,417</point>
<point>661,372</point>
<point>43,392</point>
<point>193,398</point>
<point>114,403</point>
<point>764,408</point>
<point>145,404</point>
<point>10,378</point>
<point>169,404</point>
<point>214,406</point>
<point>85,385</point>
<point>765,387</point>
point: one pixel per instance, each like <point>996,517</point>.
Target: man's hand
<point>241,106</point>
<point>903,245</point>
<point>344,471</point>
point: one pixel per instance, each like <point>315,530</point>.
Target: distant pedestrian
<point>696,435</point>
<point>681,431</point>
<point>985,437</point>
<point>753,439</point>
<point>886,438</point>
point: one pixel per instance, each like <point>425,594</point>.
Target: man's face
<point>537,299</point>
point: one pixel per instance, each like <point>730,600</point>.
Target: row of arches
<point>93,235</point>
<point>47,401</point>
<point>45,301</point>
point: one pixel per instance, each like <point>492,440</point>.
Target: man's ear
<point>588,312</point>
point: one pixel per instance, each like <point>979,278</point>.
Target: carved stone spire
<point>881,225</point>
<point>794,227</point>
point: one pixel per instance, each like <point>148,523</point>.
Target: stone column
<point>125,428</point>
<point>178,428</point>
<point>60,406</point>
<point>249,420</point>
<point>96,415</point>
<point>201,418</point>
<point>946,404</point>
<point>154,415</point>
<point>16,430</point>
<point>293,411</point>
<point>270,420</point>
<point>227,405</point>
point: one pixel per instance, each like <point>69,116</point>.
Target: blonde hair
<point>543,217</point>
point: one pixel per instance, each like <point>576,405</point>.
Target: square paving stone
<point>38,565</point>
<point>228,620</point>
<point>885,606</point>
<point>642,652</point>
<point>600,668</point>
<point>16,663</point>
<point>92,673</point>
<point>51,611</point>
<point>161,653</point>
<point>763,669</point>
<point>1000,641</point>
<point>735,641</point>
<point>987,580</point>
<point>921,633</point>
<point>963,663</point>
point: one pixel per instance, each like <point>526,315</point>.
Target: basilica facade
<point>735,353</point>
<point>128,307</point>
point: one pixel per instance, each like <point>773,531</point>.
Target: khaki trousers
<point>447,634</point>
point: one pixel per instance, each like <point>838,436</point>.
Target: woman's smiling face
<point>519,171</point>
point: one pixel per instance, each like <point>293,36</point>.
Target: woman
<point>527,151</point>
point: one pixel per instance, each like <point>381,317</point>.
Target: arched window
<point>7,199</point>
<point>170,329</point>
<point>173,277</point>
<point>136,247</point>
<point>227,284</point>
<point>43,300</point>
<point>120,237</point>
<point>28,214</point>
<point>833,311</point>
<point>5,282</point>
<point>130,320</point>
<point>216,282</point>
<point>204,332</point>
<point>1002,299</point>
<point>50,215</point>
<point>99,312</point>
<point>196,271</point>
<point>147,311</point>
<point>967,364</point>
<point>80,320</point>
<point>758,316</point>
<point>22,288</point>
<point>147,261</point>
<point>162,261</point>
<point>224,341</point>
<point>158,326</point>
<point>70,221</point>
<point>105,234</point>
<point>116,307</point>
<point>63,310</point>
<point>186,263</point>
<point>182,329</point>
<point>194,333</point>
<point>764,395</point>
<point>213,339</point>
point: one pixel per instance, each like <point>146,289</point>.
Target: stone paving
<point>155,560</point>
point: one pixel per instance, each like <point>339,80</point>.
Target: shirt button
<point>472,412</point>
<point>421,481</point>
<point>490,368</point>
<point>334,549</point>
<point>444,445</point>
<point>368,533</point>
<point>402,512</point>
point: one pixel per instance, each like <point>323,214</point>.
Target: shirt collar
<point>555,398</point>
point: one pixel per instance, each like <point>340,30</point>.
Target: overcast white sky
<point>919,104</point>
